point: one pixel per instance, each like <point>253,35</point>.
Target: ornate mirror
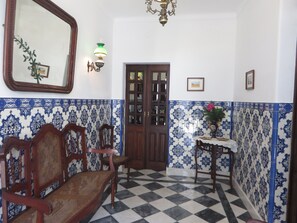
<point>39,47</point>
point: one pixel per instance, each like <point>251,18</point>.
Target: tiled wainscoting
<point>23,117</point>
<point>186,121</point>
<point>262,131</point>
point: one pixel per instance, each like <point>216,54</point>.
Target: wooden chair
<point>214,151</point>
<point>106,133</point>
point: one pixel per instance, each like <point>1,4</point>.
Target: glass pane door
<point>135,85</point>
<point>159,96</point>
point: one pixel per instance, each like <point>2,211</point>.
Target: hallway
<point>152,196</point>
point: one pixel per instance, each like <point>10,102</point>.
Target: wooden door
<point>146,140</point>
<point>292,196</point>
<point>135,123</point>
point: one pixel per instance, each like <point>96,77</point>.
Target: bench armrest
<point>39,204</point>
<point>110,152</point>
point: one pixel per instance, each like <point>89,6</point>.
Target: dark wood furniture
<point>292,192</point>
<point>146,123</point>
<point>9,56</point>
<point>215,151</point>
<point>29,169</point>
<point>106,133</point>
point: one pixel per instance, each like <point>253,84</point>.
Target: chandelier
<point>167,8</point>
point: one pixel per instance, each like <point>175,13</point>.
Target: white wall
<point>194,47</point>
<point>287,51</point>
<point>93,26</point>
<point>257,48</point>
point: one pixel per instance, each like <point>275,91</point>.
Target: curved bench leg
<point>113,186</point>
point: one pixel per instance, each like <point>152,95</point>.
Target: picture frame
<point>250,80</point>
<point>195,84</point>
<point>43,70</point>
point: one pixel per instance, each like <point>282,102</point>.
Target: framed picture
<point>43,70</point>
<point>195,84</point>
<point>250,80</point>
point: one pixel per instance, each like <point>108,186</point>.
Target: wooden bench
<point>38,178</point>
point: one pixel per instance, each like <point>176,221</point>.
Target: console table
<point>216,147</point>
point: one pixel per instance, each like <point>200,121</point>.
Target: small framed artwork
<point>195,84</point>
<point>43,70</point>
<point>250,80</point>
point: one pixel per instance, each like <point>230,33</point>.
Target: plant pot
<point>213,129</point>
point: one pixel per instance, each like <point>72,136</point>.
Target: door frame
<point>292,193</point>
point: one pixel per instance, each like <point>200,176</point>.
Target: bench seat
<point>72,197</point>
<point>35,167</point>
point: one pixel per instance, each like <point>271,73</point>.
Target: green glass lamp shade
<point>100,51</point>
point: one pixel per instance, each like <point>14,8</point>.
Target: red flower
<point>213,114</point>
<point>210,107</point>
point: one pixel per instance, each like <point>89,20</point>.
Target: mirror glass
<point>40,39</point>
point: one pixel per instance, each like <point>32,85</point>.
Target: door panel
<point>147,88</point>
<point>135,126</point>
<point>156,147</point>
<point>156,128</point>
<point>135,147</point>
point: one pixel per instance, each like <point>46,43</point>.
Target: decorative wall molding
<point>251,209</point>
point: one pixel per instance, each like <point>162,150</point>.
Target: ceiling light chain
<point>164,11</point>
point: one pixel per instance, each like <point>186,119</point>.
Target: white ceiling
<point>137,8</point>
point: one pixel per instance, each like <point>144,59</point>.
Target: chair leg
<point>128,174</point>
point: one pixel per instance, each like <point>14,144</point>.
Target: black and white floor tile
<point>152,196</point>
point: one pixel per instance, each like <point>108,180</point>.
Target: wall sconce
<point>100,52</point>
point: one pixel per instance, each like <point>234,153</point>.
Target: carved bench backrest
<point>75,146</point>
<point>48,158</point>
<point>15,172</point>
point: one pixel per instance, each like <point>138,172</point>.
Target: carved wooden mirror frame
<point>9,44</point>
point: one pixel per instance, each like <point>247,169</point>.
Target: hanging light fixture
<point>167,7</point>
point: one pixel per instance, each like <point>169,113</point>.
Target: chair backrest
<point>15,172</point>
<point>48,158</point>
<point>74,138</point>
<point>106,136</point>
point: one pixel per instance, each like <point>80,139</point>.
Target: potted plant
<point>213,116</point>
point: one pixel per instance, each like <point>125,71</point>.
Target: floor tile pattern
<point>152,196</point>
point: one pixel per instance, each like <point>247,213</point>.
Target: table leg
<point>231,168</point>
<point>213,167</point>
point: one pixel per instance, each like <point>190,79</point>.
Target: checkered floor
<point>152,196</point>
